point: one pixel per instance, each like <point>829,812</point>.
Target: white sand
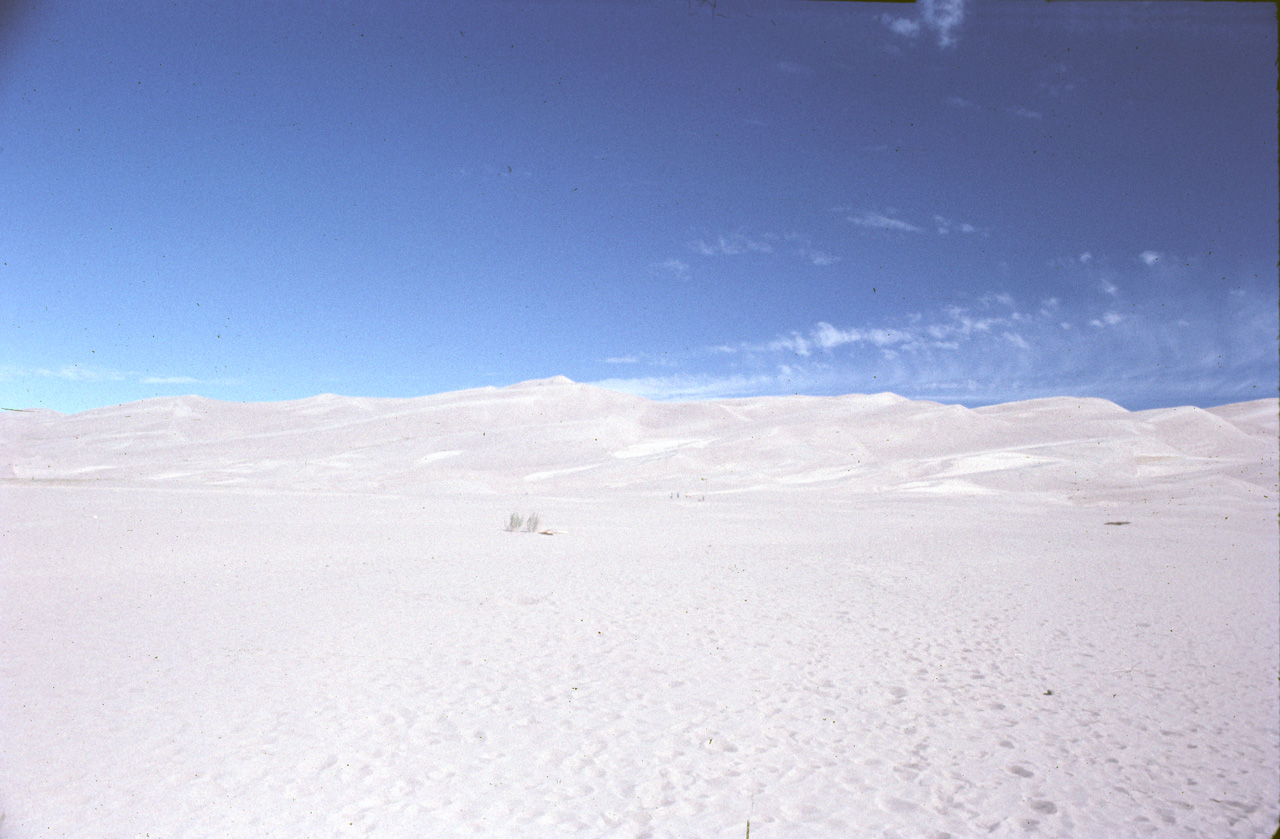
<point>861,616</point>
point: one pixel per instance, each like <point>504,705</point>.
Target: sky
<point>966,202</point>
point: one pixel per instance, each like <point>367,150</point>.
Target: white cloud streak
<point>732,245</point>
<point>674,266</point>
<point>889,222</point>
<point>994,349</point>
<point>1108,319</point>
<point>170,380</point>
<point>737,244</point>
<point>876,221</point>
<point>80,373</point>
<point>89,374</point>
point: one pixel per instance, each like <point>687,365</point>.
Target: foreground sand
<point>859,616</point>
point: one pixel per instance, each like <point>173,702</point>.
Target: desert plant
<point>514,523</point>
<point>531,523</point>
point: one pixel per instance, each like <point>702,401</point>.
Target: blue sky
<point>962,201</point>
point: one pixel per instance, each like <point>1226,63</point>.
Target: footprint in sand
<point>892,804</point>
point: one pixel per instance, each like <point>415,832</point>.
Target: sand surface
<point>834,617</point>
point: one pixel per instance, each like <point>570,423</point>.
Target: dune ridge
<point>567,437</point>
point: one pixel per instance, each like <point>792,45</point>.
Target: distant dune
<point>567,437</point>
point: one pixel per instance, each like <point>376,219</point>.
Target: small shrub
<point>531,523</point>
<point>514,523</point>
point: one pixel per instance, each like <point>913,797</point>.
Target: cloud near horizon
<point>995,350</point>
<point>171,380</point>
<point>90,374</point>
<point>80,373</point>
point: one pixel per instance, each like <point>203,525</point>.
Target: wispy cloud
<point>809,253</point>
<point>1150,258</point>
<point>817,257</point>
<point>91,374</point>
<point>1016,340</point>
<point>941,17</point>
<point>945,225</point>
<point>876,221</point>
<point>995,348</point>
<point>81,373</point>
<point>791,68</point>
<point>647,359</point>
<point>731,245</point>
<point>1093,271</point>
<point>891,222</point>
<point>962,103</point>
<point>170,380</point>
<point>828,337</point>
<point>674,266</point>
<point>738,244</point>
<point>942,331</point>
<point>906,27</point>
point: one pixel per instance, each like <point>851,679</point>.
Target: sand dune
<point>569,437</point>
<point>846,616</point>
